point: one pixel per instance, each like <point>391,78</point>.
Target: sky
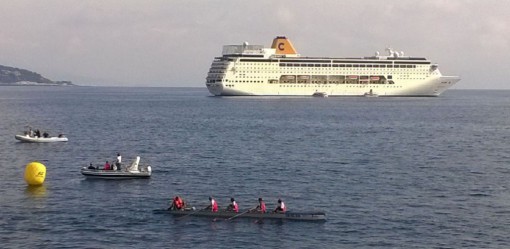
<point>171,43</point>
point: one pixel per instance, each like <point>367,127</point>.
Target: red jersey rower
<point>213,206</point>
<point>233,206</point>
<point>261,207</point>
<point>280,208</point>
<point>177,203</point>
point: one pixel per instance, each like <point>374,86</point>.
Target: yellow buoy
<point>35,173</point>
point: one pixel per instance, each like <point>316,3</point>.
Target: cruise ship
<point>253,70</point>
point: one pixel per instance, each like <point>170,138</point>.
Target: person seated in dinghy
<point>91,166</point>
<point>107,166</point>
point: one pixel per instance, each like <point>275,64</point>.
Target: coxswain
<point>213,206</point>
<point>233,206</point>
<point>280,208</point>
<point>177,204</point>
<point>261,207</point>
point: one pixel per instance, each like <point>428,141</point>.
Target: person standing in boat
<point>119,161</point>
<point>213,206</point>
<point>233,206</point>
<point>280,208</point>
<point>261,207</point>
<point>107,166</point>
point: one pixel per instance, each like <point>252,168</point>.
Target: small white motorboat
<point>370,94</point>
<point>34,139</point>
<point>133,171</point>
<point>320,94</point>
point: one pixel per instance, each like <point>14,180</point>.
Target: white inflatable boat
<point>132,171</point>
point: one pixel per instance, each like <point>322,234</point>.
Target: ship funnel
<point>283,45</point>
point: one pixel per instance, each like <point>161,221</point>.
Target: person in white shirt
<point>280,208</point>
<point>119,161</point>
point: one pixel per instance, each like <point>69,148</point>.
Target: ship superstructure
<point>280,71</point>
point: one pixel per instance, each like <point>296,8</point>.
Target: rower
<point>177,204</point>
<point>233,206</point>
<point>280,208</point>
<point>213,206</point>
<point>261,207</point>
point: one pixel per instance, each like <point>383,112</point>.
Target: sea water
<point>388,172</point>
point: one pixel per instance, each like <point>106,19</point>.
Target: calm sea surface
<point>388,172</point>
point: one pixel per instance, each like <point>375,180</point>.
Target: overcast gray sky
<point>172,43</point>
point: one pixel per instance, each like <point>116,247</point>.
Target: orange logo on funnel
<point>283,45</point>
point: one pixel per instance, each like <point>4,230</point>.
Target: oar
<point>237,215</point>
<point>192,213</point>
<point>160,211</point>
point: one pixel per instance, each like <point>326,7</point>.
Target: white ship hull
<point>426,88</point>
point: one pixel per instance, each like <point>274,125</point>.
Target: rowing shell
<point>299,216</point>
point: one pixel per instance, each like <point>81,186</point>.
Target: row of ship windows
<point>243,76</point>
<point>357,86</point>
<point>327,65</point>
<point>348,86</point>
<point>353,82</point>
<point>338,79</point>
<point>346,65</point>
<point>236,81</point>
<point>347,81</point>
<point>422,72</point>
<point>323,62</point>
<point>313,82</point>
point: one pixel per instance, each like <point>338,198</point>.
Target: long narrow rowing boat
<point>298,216</point>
